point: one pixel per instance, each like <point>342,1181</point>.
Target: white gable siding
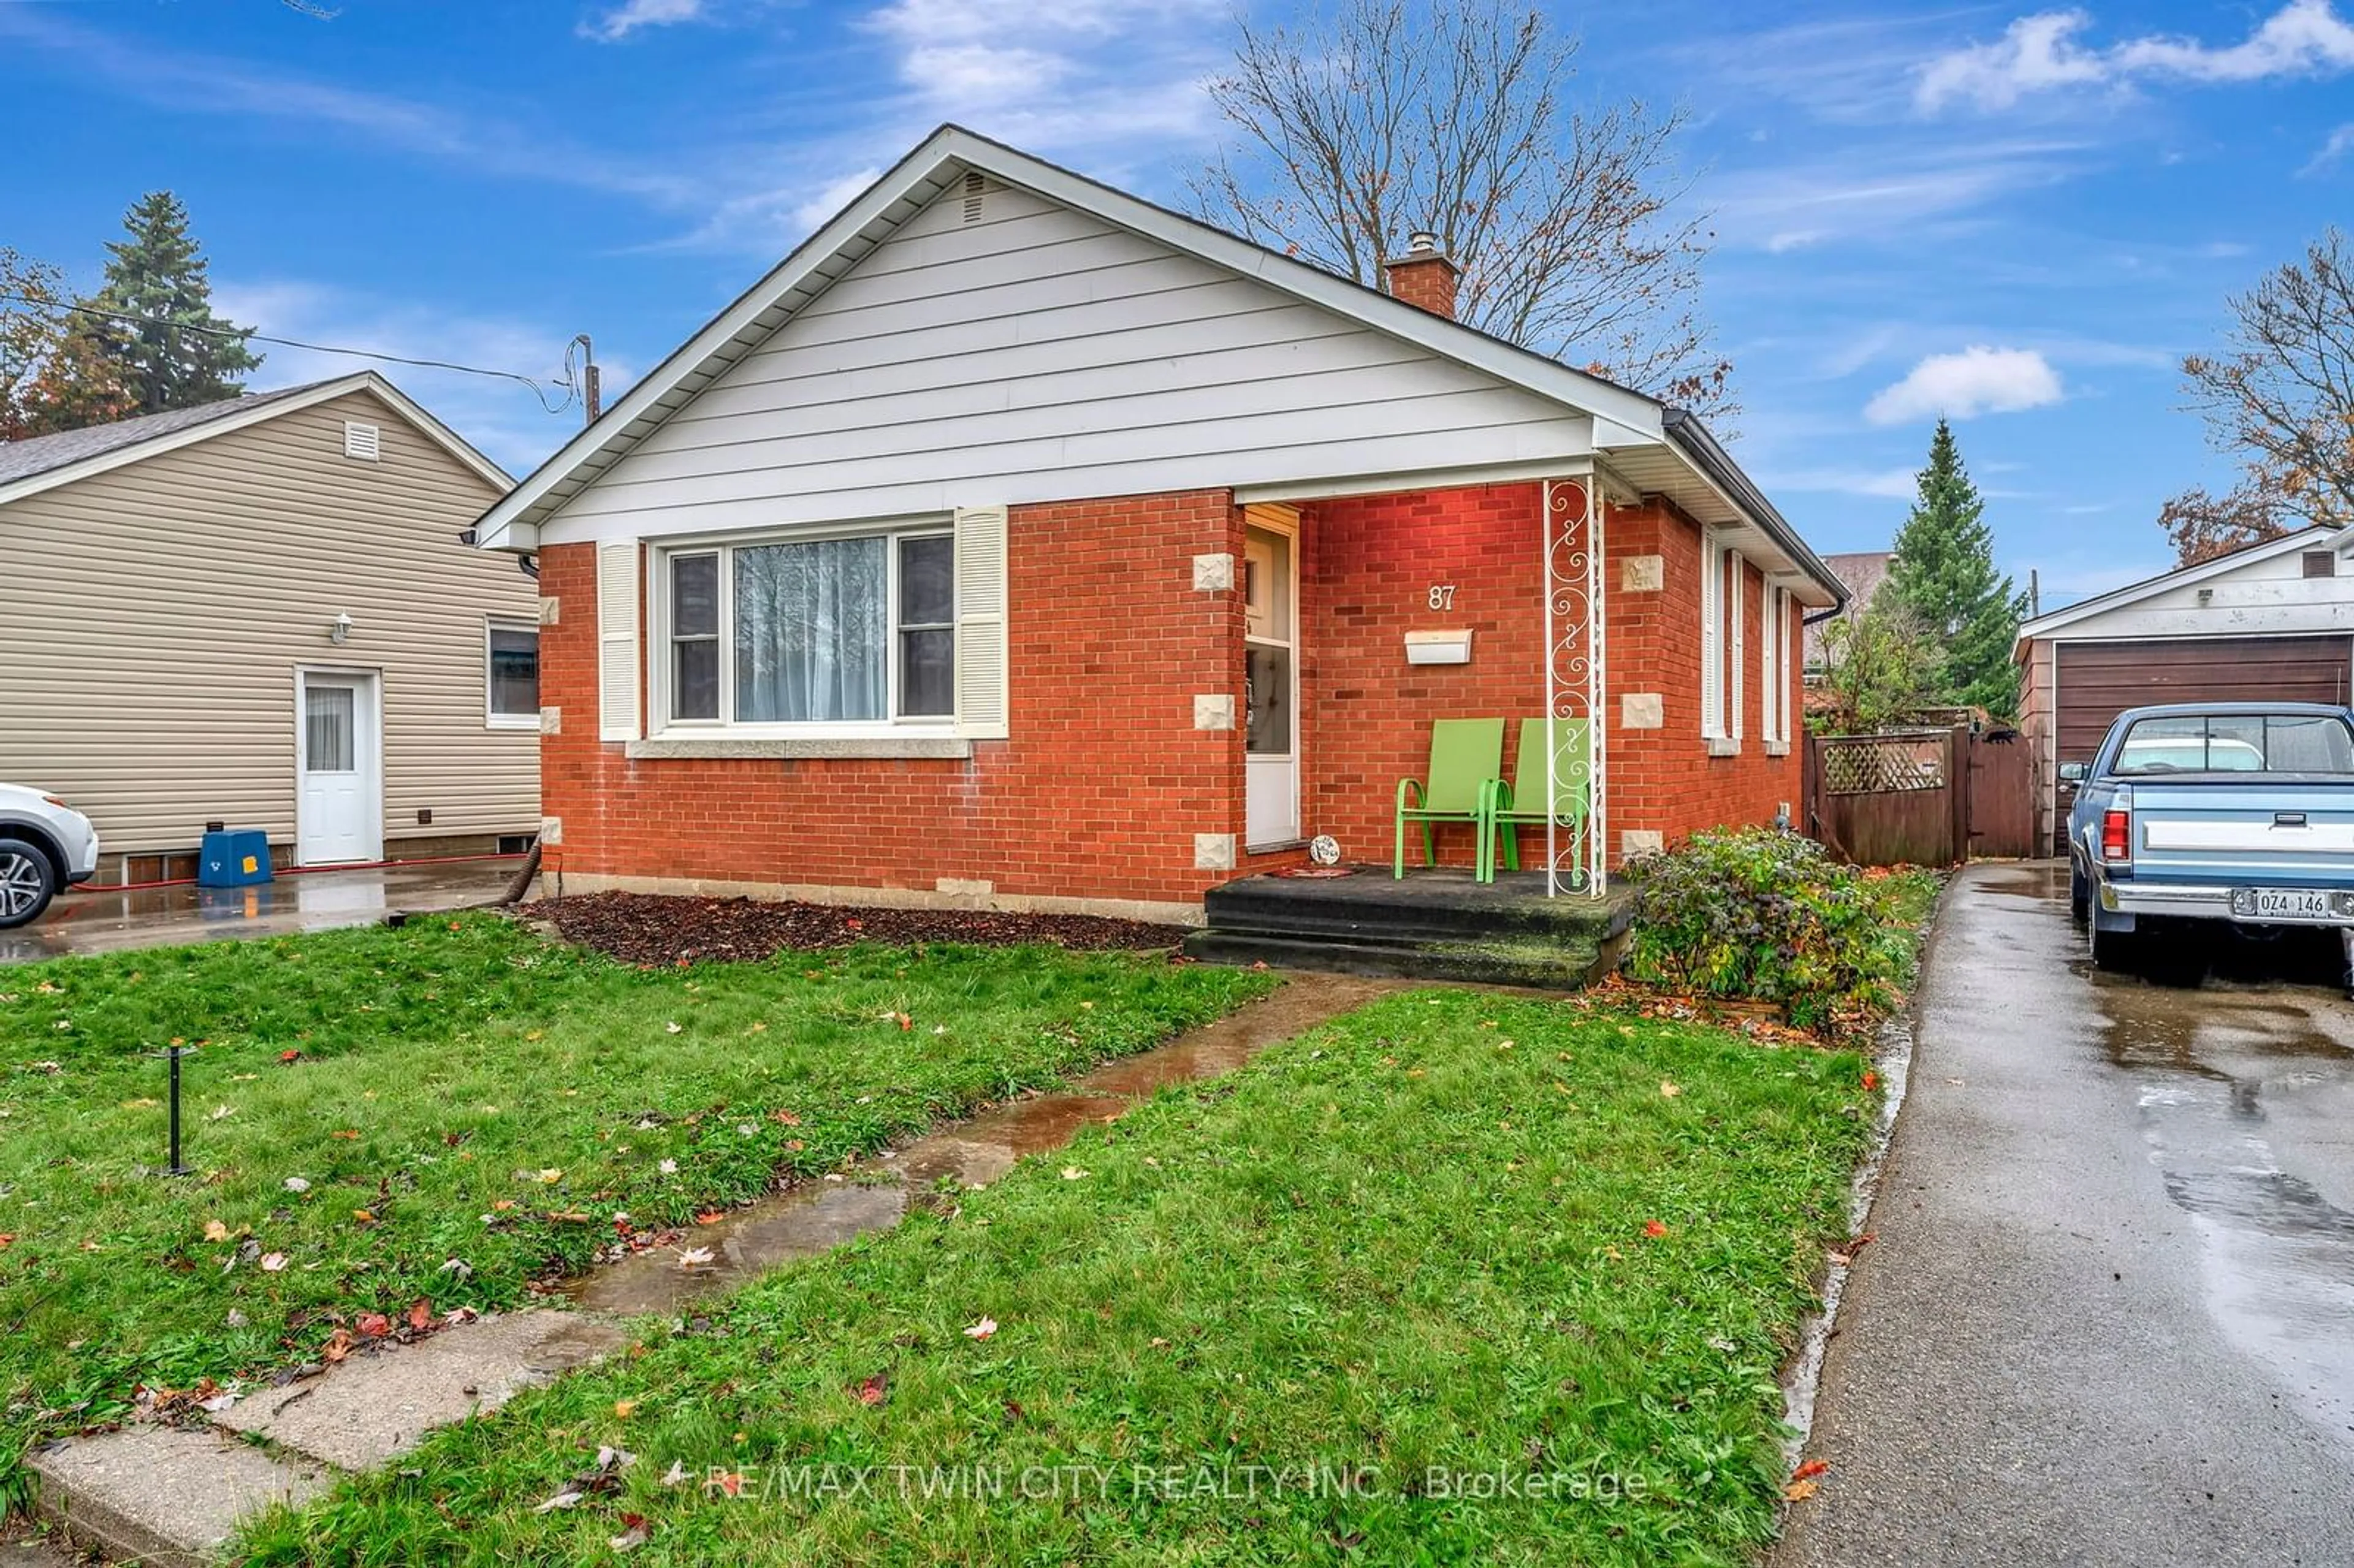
<point>1042,355</point>
<point>2263,597</point>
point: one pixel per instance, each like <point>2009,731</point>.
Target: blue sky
<point>2019,215</point>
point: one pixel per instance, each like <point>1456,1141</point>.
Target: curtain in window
<point>810,627</point>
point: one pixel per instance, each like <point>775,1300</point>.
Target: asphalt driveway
<point>100,920</point>
<point>2108,1313</point>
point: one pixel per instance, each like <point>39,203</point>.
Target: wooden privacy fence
<point>1924,797</point>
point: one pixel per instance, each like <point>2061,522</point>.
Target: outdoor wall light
<point>339,630</point>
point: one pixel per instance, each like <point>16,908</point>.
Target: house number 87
<point>1442,596</point>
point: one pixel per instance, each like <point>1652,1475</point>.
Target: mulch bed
<point>643,929</point>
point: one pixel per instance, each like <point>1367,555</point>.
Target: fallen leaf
<point>874,1389</point>
<point>502,1204</point>
<point>215,1231</point>
<point>709,1218</point>
<point>363,1216</point>
<point>1654,1228</point>
<point>695,1258</point>
<point>1669,1089</point>
<point>420,1313</point>
<point>673,1028</point>
<point>551,1176</point>
<point>784,1118</point>
<point>1811,1469</point>
<point>375,1325</point>
<point>676,1475</point>
<point>625,1408</point>
<point>982,1329</point>
<point>633,1533</point>
<point>731,1483</point>
<point>1073,1173</point>
<point>274,1262</point>
<point>345,1133</point>
<point>296,1184</point>
<point>1870,1079</point>
<point>338,1346</point>
<point>561,1499</point>
<point>1799,1492</point>
<point>670,1166</point>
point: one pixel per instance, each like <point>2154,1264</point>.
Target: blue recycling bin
<point>237,857</point>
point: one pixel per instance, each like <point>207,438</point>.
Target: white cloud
<point>1888,483</point>
<point>1878,191</point>
<point>1977,380</point>
<point>1070,72</point>
<point>506,421</point>
<point>627,18</point>
<point>189,82</point>
<point>2340,142</point>
<point>2042,52</point>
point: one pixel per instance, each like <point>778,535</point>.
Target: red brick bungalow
<point>931,570</point>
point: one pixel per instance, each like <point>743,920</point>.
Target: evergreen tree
<point>1944,573</point>
<point>176,354</point>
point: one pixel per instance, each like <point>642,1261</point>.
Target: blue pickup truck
<point>2198,811</point>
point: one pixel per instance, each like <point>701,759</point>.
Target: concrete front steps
<point>174,1495</point>
<point>1433,925</point>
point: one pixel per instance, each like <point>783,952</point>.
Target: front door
<point>339,756</point>
<point>1271,689</point>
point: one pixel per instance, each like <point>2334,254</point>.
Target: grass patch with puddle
<point>1309,1311</point>
<point>445,1112</point>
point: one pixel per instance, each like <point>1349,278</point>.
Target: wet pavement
<point>99,921</point>
<point>2108,1313</point>
<point>804,1221</point>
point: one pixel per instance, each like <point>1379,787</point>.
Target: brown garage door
<point>2098,681</point>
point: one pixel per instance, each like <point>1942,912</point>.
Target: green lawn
<point>1284,1316</point>
<point>447,1111</point>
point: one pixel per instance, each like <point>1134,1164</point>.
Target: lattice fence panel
<point>1879,765</point>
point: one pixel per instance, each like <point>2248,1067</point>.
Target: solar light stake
<point>173,1055</point>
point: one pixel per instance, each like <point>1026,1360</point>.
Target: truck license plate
<point>2285,904</point>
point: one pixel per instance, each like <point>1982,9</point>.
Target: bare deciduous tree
<point>2280,397</point>
<point>1384,117</point>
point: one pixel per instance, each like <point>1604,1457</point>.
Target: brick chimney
<point>1424,276</point>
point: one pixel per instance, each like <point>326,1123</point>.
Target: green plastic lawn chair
<point>1466,757</point>
<point>1522,802</point>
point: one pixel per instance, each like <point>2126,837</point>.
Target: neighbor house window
<point>798,633</point>
<point>512,671</point>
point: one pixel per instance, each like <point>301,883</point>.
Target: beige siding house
<point>262,612</point>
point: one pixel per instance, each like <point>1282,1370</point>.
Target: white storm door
<point>339,758</point>
<point>1271,689</point>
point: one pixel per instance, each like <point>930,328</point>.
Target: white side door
<point>1271,686</point>
<point>339,763</point>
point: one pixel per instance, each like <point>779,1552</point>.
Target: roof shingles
<point>42,454</point>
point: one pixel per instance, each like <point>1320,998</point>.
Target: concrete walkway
<point>99,921</point>
<point>174,1495</point>
<point>2108,1317</point>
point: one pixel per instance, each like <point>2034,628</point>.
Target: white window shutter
<point>1740,640</point>
<point>616,640</point>
<point>981,655</point>
<point>1711,647</point>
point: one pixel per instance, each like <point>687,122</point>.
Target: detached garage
<point>2274,623</point>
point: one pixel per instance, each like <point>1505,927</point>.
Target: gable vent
<point>364,442</point>
<point>975,185</point>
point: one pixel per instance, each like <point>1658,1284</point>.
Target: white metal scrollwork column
<point>1574,629</point>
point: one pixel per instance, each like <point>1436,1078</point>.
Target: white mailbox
<point>1439,647</point>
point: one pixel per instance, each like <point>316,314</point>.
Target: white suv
<point>45,844</point>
